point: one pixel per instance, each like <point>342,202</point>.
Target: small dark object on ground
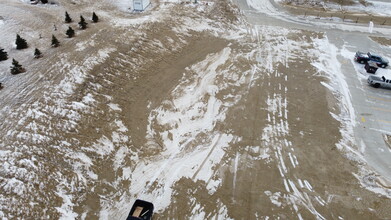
<point>141,210</point>
<point>37,53</point>
<point>371,67</point>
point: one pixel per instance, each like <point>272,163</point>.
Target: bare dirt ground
<point>181,109</point>
<point>382,40</point>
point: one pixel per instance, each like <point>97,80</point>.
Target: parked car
<point>361,57</point>
<point>377,82</point>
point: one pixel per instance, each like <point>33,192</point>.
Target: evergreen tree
<point>37,53</point>
<point>68,19</point>
<point>16,68</point>
<point>70,32</point>
<point>1,85</point>
<point>20,43</point>
<point>55,42</point>
<point>44,1</point>
<point>82,23</point>
<point>94,17</point>
<point>3,55</point>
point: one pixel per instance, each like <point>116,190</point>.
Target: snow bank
<point>381,8</point>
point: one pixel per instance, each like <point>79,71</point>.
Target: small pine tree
<point>1,85</point>
<point>3,55</point>
<point>44,1</point>
<point>94,17</point>
<point>68,19</point>
<point>16,68</point>
<point>55,42</point>
<point>20,43</point>
<point>70,32</point>
<point>37,53</point>
<point>82,23</point>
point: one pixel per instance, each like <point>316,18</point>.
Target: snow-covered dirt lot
<point>185,105</point>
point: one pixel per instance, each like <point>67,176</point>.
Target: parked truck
<point>378,82</point>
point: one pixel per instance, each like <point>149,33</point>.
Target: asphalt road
<point>372,107</point>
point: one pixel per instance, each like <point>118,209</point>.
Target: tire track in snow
<point>276,133</point>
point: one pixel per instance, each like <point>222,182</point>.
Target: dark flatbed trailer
<point>371,67</point>
<point>141,210</point>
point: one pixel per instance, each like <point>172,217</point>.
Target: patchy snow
<point>114,107</point>
<point>198,212</point>
<point>222,212</point>
<point>381,8</point>
<point>66,208</point>
<point>372,182</point>
<point>78,73</point>
<point>193,109</point>
<point>103,146</point>
<point>329,64</point>
<point>259,153</point>
<point>278,48</point>
<point>39,120</point>
<point>274,197</point>
<point>264,6</point>
<point>147,18</point>
<point>123,5</point>
<point>189,117</point>
<point>121,126</point>
<point>84,45</point>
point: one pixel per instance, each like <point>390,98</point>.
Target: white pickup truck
<point>377,82</point>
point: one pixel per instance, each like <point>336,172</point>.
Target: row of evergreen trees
<point>21,43</point>
<point>16,68</point>
<point>82,23</point>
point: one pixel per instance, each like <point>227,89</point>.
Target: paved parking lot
<point>372,107</point>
